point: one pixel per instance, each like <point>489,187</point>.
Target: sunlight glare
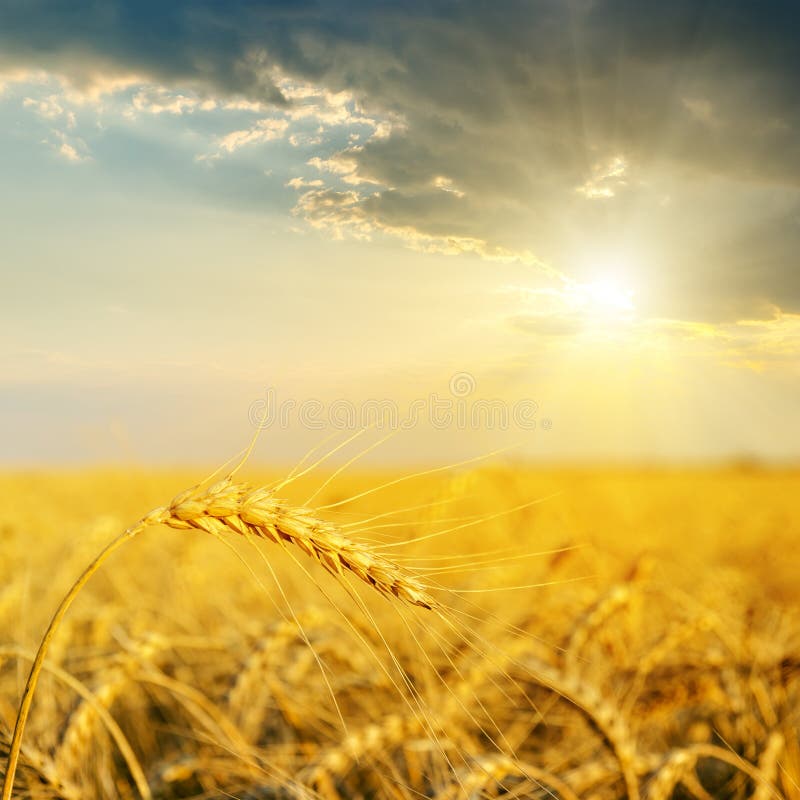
<point>602,296</point>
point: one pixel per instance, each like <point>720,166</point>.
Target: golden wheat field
<point>593,634</point>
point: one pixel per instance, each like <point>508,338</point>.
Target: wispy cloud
<point>446,185</point>
<point>160,100</point>
<point>596,313</point>
<point>344,166</point>
<point>49,108</point>
<point>265,130</point>
<point>348,213</point>
<point>757,344</point>
<point>607,179</point>
<point>303,183</point>
<point>70,148</point>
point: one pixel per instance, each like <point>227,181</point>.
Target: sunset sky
<point>590,205</point>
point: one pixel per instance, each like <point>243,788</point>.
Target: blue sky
<point>593,205</point>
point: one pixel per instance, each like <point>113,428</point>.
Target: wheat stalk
<point>615,599</point>
<point>227,507</point>
<point>679,764</point>
<point>95,707</point>
<point>493,770</point>
<point>768,764</point>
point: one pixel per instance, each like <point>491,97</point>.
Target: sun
<point>604,282</point>
<point>605,297</point>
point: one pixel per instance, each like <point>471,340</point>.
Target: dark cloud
<point>516,104</point>
<point>171,42</point>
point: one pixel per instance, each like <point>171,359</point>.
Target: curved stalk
<point>36,667</point>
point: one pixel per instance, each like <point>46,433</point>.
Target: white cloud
<point>302,183</point>
<point>71,148</point>
<point>242,104</point>
<point>69,152</point>
<point>312,110</point>
<point>48,107</point>
<point>160,100</point>
<point>344,166</point>
<point>309,101</point>
<point>265,130</point>
<point>304,140</point>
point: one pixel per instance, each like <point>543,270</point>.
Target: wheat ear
<point>226,507</point>
<point>222,508</point>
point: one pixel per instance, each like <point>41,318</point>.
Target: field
<point>601,633</point>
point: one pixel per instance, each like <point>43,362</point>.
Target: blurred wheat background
<point>634,633</point>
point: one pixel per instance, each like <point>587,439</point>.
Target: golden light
<point>603,296</point>
<point>607,282</point>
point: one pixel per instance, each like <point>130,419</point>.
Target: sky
<point>572,227</point>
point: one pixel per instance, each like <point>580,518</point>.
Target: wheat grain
<point>230,507</point>
<point>248,696</point>
<point>81,730</point>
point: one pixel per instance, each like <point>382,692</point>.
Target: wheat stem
<point>36,667</point>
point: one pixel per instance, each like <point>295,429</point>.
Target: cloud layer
<point>543,131</point>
